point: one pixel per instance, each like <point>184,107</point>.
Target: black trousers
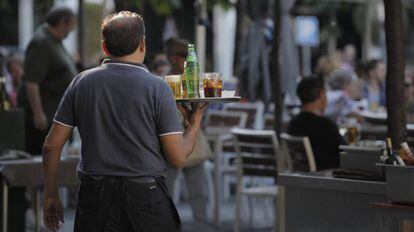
<point>125,205</point>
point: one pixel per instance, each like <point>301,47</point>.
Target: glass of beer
<point>353,131</point>
<point>212,85</point>
<point>174,81</point>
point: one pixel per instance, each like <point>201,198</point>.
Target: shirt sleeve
<point>65,114</point>
<point>36,62</point>
<point>168,121</point>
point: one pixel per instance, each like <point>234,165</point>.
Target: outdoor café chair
<point>255,113</point>
<point>256,157</point>
<point>217,129</point>
<point>298,153</point>
<point>269,121</point>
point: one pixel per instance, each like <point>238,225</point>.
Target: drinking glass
<point>353,132</point>
<point>212,85</point>
<point>174,81</point>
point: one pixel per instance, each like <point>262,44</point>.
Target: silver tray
<point>209,99</point>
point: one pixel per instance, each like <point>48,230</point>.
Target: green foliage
<point>92,33</point>
<point>166,7</point>
<point>225,4</point>
<point>326,7</point>
<point>4,4</point>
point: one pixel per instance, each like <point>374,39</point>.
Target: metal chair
<point>269,121</point>
<point>298,153</point>
<point>217,128</point>
<point>256,157</point>
<point>254,112</point>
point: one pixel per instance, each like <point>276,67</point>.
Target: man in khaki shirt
<point>194,173</point>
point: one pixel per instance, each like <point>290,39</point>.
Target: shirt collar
<point>49,34</point>
<point>124,63</point>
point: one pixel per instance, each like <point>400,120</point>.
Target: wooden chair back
<point>257,152</point>
<point>299,153</point>
<point>254,112</point>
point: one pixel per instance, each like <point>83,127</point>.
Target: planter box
<point>361,158</point>
<point>400,183</point>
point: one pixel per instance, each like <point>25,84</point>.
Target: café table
<point>381,118</point>
<point>374,117</point>
<point>29,173</point>
<point>396,212</point>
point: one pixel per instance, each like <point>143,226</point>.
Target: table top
<point>29,172</point>
<point>387,205</point>
<point>209,99</point>
<point>324,180</point>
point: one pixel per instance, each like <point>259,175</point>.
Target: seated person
<point>322,132</point>
<point>160,66</point>
<point>374,87</point>
<point>340,103</point>
<point>14,66</point>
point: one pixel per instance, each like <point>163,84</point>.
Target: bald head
<point>122,33</point>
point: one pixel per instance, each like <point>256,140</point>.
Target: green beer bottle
<point>192,73</point>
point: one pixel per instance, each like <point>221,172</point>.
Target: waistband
<point>138,180</point>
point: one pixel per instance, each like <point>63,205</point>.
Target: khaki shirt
<point>201,152</point>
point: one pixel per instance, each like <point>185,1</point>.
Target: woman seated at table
<point>374,87</point>
<point>340,103</point>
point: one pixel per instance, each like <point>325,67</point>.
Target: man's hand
<point>54,142</point>
<point>40,121</point>
<point>194,114</point>
<point>52,213</point>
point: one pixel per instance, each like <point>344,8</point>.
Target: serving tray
<point>209,99</point>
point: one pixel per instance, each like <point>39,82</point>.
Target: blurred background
<point>220,28</point>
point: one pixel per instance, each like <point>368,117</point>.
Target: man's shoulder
<point>139,75</point>
<point>154,78</point>
<point>40,39</point>
<point>41,33</point>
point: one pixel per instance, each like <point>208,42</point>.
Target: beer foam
<point>173,78</point>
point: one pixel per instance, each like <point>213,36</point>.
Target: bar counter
<point>316,202</point>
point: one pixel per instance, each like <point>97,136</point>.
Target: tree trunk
<point>275,68</point>
<point>395,72</point>
<point>240,8</point>
<point>81,30</point>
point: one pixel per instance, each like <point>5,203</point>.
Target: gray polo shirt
<point>121,110</point>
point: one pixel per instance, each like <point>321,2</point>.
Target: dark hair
<point>59,14</point>
<point>371,65</point>
<point>175,46</point>
<point>309,89</point>
<point>122,32</point>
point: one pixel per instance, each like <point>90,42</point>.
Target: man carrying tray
<point>129,125</point>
